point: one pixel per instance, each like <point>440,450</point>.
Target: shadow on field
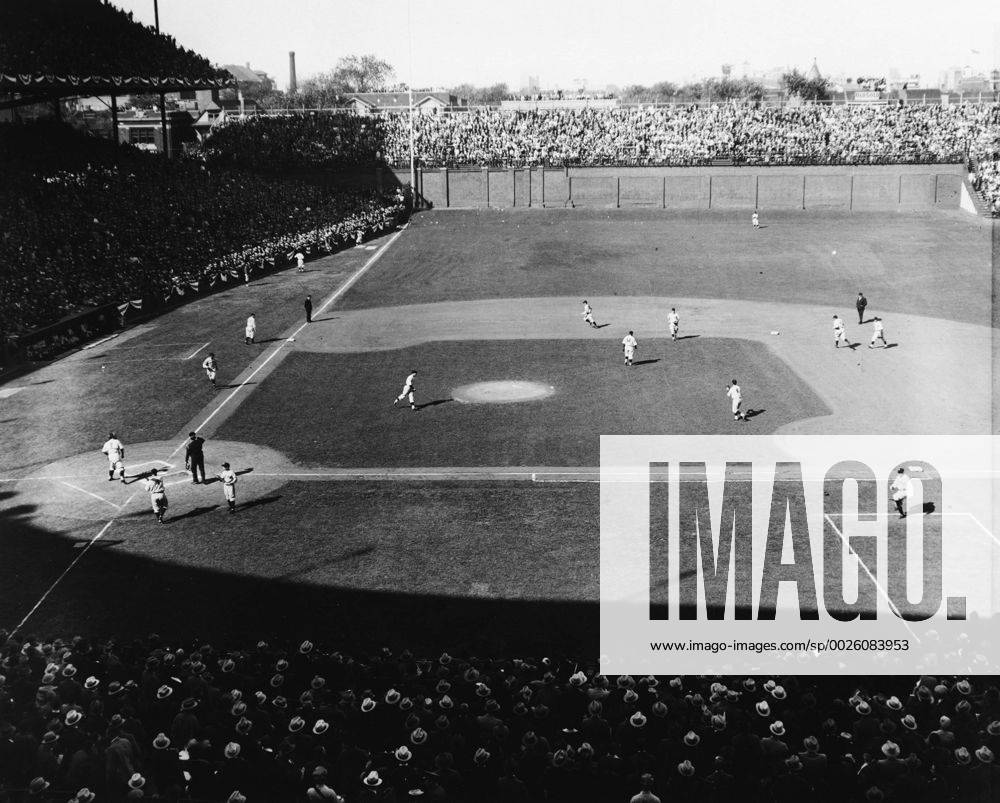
<point>434,403</point>
<point>754,413</point>
<point>137,595</point>
<point>688,337</point>
<point>646,362</point>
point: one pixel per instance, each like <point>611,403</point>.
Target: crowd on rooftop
<point>155,719</point>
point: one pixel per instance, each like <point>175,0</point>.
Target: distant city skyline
<point>566,44</point>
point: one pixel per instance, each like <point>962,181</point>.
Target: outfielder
<point>300,262</point>
<point>755,219</point>
<point>251,330</point>
<point>673,323</point>
<point>407,393</point>
<point>228,479</point>
<point>736,395</point>
<point>878,333</point>
<point>157,494</point>
<point>210,366</point>
<point>838,332</point>
<point>629,345</point>
<point>900,491</point>
<point>115,451</point>
<point>588,314</point>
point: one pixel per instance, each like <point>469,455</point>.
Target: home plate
<point>504,391</point>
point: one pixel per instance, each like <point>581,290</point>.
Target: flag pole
<point>409,85</point>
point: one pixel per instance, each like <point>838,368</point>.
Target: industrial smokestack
<point>293,87</point>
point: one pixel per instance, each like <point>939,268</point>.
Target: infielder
<point>839,335</point>
<point>115,451</point>
<point>878,333</point>
<point>228,479</point>
<point>673,323</point>
<point>300,262</point>
<point>736,395</point>
<point>588,314</point>
<point>157,494</point>
<point>210,366</point>
<point>900,491</point>
<point>755,219</point>
<point>629,345</point>
<point>251,330</point>
<point>407,393</point>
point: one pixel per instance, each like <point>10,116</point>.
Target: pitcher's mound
<point>502,392</point>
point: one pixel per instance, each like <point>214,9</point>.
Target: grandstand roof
<point>66,48</point>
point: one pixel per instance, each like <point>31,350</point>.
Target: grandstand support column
<point>163,125</point>
<point>618,192</point>
<point>114,118</point>
<point>447,188</point>
<point>486,187</point>
<point>529,172</point>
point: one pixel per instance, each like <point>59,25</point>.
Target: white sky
<point>560,41</point>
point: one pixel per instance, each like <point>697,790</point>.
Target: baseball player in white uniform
<point>228,478</point>
<point>157,494</point>
<point>407,393</point>
<point>736,395</point>
<point>300,262</point>
<point>673,323</point>
<point>251,330</point>
<point>900,488</point>
<point>629,345</point>
<point>878,333</point>
<point>839,335</point>
<point>755,219</point>
<point>588,314</point>
<point>210,366</point>
<point>115,451</point>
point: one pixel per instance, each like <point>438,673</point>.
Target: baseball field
<point>472,522</point>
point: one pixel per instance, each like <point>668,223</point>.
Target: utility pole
<point>163,97</point>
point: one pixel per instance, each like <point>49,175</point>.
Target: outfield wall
<point>883,187</point>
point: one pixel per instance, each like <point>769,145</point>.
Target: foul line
<point>59,579</point>
<point>337,294</point>
<point>277,350</point>
<point>862,564</point>
<point>193,353</point>
<point>90,493</point>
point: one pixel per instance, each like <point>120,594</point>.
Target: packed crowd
<point>987,181</point>
<point>100,225</point>
<point>88,722</point>
<point>298,141</point>
<point>673,135</point>
<point>90,37</point>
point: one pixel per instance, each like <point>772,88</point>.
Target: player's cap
<point>899,470</point>
<point>225,465</point>
<point>630,331</point>
<point>734,381</point>
<point>111,434</point>
<point>191,434</point>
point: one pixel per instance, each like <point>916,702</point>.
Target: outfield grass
<point>930,263</point>
<point>343,414</point>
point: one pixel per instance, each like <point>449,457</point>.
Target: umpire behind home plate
<point>194,456</point>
